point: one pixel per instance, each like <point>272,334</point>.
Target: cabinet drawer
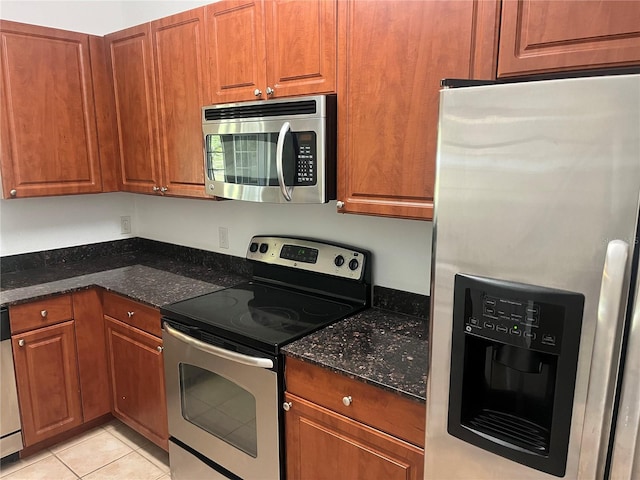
<point>386,411</point>
<point>40,313</point>
<point>133,313</point>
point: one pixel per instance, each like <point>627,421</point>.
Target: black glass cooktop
<point>259,315</point>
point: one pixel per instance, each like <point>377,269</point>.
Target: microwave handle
<point>286,191</point>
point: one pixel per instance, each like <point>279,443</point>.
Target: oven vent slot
<point>511,429</point>
<point>262,110</point>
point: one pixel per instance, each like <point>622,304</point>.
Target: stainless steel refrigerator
<point>535,319</point>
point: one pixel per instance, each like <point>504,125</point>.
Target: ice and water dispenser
<point>513,369</point>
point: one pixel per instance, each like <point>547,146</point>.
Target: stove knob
<point>264,247</point>
<point>354,264</point>
<point>339,261</point>
<point>253,247</point>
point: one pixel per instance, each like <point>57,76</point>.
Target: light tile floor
<point>110,452</point>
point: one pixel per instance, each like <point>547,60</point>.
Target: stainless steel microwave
<point>274,151</point>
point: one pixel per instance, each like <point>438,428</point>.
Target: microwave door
<point>285,160</point>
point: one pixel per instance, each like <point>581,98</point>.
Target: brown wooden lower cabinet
<point>338,427</point>
<point>47,379</point>
<point>137,380</point>
<point>321,444</point>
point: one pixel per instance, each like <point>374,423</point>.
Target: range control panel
<point>313,256</point>
<point>516,314</point>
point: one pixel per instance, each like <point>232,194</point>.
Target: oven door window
<point>220,407</point>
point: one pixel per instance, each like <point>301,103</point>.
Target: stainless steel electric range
<point>223,367</point>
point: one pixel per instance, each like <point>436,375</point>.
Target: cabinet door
<point>550,36</point>
<point>322,445</point>
<point>130,54</point>
<point>182,91</point>
<point>47,378</point>
<point>236,50</point>
<point>301,46</point>
<point>48,135</point>
<point>137,380</point>
<point>391,58</point>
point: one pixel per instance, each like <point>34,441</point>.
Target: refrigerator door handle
<point>605,360</point>
<point>625,462</point>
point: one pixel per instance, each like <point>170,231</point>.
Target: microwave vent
<point>262,110</point>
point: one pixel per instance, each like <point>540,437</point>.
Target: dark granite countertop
<point>145,284</point>
<point>382,348</point>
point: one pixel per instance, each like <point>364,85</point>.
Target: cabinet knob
<point>13,192</point>
<point>160,348</point>
<point>44,313</point>
<point>164,189</point>
<point>130,314</point>
<point>286,406</point>
<point>347,401</point>
<point>270,91</point>
<point>257,92</point>
<point>21,342</point>
<point>156,188</point>
<point>340,204</point>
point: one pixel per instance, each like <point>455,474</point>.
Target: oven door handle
<point>220,352</point>
<point>286,191</point>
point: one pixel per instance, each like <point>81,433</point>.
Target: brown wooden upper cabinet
<point>391,58</point>
<point>49,136</point>
<point>552,36</point>
<point>157,73</point>
<point>259,49</point>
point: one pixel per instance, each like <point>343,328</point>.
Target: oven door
<point>223,404</point>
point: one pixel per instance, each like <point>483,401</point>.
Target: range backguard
<point>513,368</point>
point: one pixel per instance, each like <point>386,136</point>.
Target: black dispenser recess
<point>513,368</point>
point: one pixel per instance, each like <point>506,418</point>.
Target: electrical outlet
<point>223,237</point>
<point>125,224</point>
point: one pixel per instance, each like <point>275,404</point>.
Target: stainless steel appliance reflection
<point>223,367</point>
<point>10,427</point>
<point>535,321</point>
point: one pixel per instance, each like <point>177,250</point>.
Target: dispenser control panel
<point>514,318</point>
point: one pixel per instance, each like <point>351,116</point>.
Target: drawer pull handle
<point>347,401</point>
<point>130,314</point>
<point>160,348</point>
<point>21,342</point>
<point>286,406</point>
<point>44,313</point>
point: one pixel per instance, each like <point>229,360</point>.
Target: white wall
<point>33,224</point>
<point>402,248</point>
<point>97,17</point>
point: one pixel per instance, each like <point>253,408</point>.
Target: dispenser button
<point>515,331</point>
<point>489,325</point>
<point>548,339</point>
<point>531,335</point>
<point>489,311</point>
<point>502,329</point>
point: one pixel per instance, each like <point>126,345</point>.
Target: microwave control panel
<point>306,161</point>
